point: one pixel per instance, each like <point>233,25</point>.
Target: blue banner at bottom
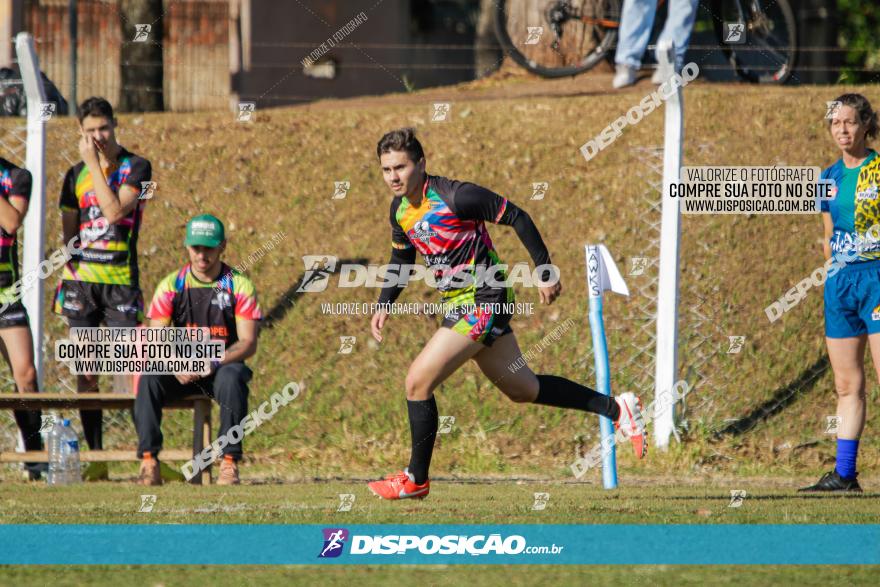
<point>439,544</point>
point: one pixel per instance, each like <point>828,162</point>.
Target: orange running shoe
<point>400,485</point>
<point>632,422</point>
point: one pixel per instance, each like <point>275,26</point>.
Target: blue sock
<point>847,451</point>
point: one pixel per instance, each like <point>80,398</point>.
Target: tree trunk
<point>486,60</point>
<point>141,66</point>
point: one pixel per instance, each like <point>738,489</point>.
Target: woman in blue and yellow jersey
<point>852,294</point>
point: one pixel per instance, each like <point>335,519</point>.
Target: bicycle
<point>584,32</point>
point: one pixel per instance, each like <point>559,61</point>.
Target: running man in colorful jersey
<point>16,343</point>
<point>852,290</point>
<point>204,293</point>
<point>100,203</point>
<point>445,220</point>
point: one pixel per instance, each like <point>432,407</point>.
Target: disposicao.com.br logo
<point>453,544</point>
<point>318,269</point>
<point>334,540</point>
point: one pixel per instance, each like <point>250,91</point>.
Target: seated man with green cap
<point>204,293</point>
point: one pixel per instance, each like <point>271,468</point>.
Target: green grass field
<point>442,576</point>
<point>472,502</point>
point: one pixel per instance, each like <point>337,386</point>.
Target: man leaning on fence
<point>204,293</point>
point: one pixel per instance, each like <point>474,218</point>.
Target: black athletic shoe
<point>831,481</point>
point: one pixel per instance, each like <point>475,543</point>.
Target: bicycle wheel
<point>767,53</point>
<point>556,38</point>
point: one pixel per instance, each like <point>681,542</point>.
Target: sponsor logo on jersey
<point>215,332</point>
<point>431,260</point>
<point>868,194</point>
<point>222,300</point>
<point>422,231</point>
<point>73,305</point>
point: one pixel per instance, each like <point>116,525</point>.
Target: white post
<point>666,366</point>
<point>34,222</point>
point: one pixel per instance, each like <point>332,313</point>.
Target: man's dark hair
<point>402,139</point>
<point>867,115</point>
<point>95,106</point>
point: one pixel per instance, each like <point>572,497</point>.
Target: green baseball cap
<point>204,230</point>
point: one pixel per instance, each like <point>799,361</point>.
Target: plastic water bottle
<point>70,455</point>
<point>55,475</point>
<point>63,455</point>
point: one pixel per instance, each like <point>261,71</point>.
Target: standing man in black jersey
<point>102,209</point>
<point>445,221</point>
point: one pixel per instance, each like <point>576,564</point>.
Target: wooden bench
<point>199,404</point>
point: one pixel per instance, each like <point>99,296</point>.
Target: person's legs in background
<point>636,22</point>
<point>677,28</point>
<point>123,307</point>
<point>231,392</point>
<point>91,419</point>
<point>21,362</point>
<point>116,306</point>
<point>847,357</point>
<point>153,392</point>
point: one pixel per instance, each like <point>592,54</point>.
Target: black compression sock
<point>92,428</point>
<point>565,393</point>
<point>423,424</point>
<point>29,424</point>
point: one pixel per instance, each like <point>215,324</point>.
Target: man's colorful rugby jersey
<point>448,229</point>
<point>15,182</point>
<point>184,301</point>
<point>111,256</point>
<point>855,209</point>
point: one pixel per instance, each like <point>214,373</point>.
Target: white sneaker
<point>625,76</point>
<point>631,422</point>
<point>657,78</point>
